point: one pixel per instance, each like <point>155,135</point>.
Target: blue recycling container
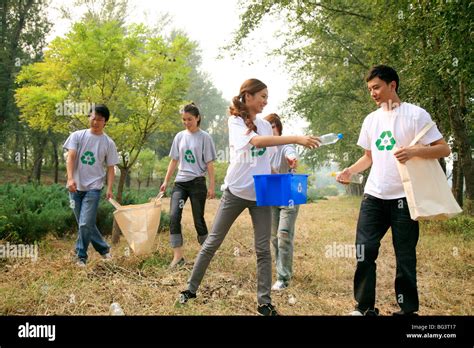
<point>281,189</point>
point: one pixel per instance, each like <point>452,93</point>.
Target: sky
<point>212,23</point>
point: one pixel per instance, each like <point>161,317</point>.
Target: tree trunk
<point>38,158</point>
<point>465,150</point>
<point>459,129</point>
<point>148,180</point>
<point>458,178</point>
<point>442,163</point>
<point>25,155</point>
<point>115,229</point>
<point>128,179</point>
<point>55,160</point>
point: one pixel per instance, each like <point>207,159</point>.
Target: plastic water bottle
<point>355,178</point>
<point>331,138</point>
<point>115,309</point>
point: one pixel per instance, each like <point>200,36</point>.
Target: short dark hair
<point>193,110</point>
<point>385,73</point>
<point>101,110</point>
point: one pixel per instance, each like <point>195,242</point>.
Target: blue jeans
<point>283,233</point>
<point>85,208</point>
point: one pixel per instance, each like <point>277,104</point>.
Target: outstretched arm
<point>362,164</point>
<point>269,140</point>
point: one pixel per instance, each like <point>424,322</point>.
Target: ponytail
<point>238,107</point>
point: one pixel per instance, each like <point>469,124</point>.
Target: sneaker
<point>367,313</point>
<point>279,285</point>
<point>267,310</point>
<point>372,312</point>
<point>106,256</point>
<point>402,312</point>
<point>176,264</point>
<point>80,263</point>
<point>185,296</point>
<point>356,313</point>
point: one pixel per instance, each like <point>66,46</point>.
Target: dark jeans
<point>376,216</point>
<point>196,191</point>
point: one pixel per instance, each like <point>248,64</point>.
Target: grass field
<point>322,285</point>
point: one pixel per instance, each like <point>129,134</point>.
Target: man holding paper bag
<point>385,136</point>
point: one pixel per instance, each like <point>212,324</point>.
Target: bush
<point>29,212</point>
<point>461,224</point>
<point>314,194</point>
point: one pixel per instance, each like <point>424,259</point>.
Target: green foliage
<point>29,212</point>
<point>314,195</point>
<point>330,46</point>
<point>461,224</point>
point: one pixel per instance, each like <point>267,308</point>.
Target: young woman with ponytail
<point>194,151</point>
<point>251,143</point>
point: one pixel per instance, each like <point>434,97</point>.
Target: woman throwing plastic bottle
<point>250,141</point>
<point>283,161</point>
<point>195,152</point>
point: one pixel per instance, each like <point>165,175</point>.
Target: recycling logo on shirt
<point>385,141</point>
<point>88,158</point>
<point>257,152</point>
<point>189,157</point>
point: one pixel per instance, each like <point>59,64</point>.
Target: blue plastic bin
<point>281,189</point>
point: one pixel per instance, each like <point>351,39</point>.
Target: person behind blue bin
<point>384,205</point>
<point>89,150</point>
<point>251,143</point>
<point>284,160</point>
<point>193,149</point>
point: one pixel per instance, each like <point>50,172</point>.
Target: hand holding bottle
<point>346,177</point>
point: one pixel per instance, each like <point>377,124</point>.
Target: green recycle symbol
<point>385,141</point>
<point>88,158</point>
<point>257,152</point>
<point>189,157</point>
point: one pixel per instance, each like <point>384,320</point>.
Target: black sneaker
<point>267,310</point>
<point>185,296</point>
<point>372,312</point>
<point>403,313</point>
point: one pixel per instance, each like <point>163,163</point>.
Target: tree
<point>330,46</point>
<point>141,77</point>
<point>23,28</point>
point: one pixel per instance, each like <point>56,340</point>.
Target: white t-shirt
<point>381,132</point>
<point>245,159</point>
<point>278,160</point>
<point>194,151</point>
<point>93,153</point>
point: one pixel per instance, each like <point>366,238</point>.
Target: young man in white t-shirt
<point>393,126</point>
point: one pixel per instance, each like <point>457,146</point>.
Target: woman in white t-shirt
<point>249,138</point>
<point>284,160</point>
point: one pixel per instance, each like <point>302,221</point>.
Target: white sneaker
<point>279,285</point>
<point>107,256</point>
<point>80,263</point>
<point>356,313</point>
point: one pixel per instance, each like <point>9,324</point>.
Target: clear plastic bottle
<point>115,309</point>
<point>355,178</point>
<point>331,138</point>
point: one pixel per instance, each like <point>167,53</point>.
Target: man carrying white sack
<point>394,124</point>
